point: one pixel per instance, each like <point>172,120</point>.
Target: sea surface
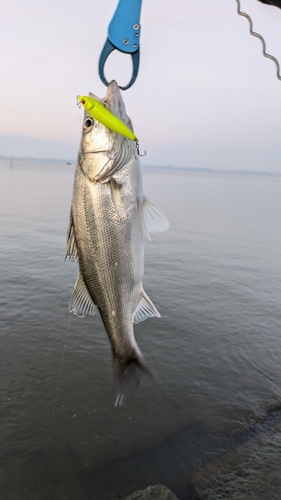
<point>208,425</point>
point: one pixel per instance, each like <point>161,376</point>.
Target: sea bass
<point>109,217</point>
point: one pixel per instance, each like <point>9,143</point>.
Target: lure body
<point>98,111</point>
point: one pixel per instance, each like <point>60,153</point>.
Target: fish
<point>109,220</point>
<point>100,112</point>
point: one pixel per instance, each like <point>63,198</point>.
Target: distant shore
<point>190,170</point>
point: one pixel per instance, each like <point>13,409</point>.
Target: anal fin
<point>81,304</point>
<point>145,309</point>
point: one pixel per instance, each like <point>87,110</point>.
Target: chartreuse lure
<point>98,111</point>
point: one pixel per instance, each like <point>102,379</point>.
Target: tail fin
<point>127,377</point>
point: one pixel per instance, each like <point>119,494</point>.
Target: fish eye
<point>88,123</point>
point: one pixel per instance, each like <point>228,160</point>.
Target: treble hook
<point>138,149</point>
<point>78,102</point>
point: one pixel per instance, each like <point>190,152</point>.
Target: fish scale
<point>102,279</point>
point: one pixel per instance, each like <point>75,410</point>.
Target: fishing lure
<point>98,111</point>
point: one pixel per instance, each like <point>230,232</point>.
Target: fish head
<point>101,147</point>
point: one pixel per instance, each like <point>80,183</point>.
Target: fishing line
<point>44,461</point>
<point>57,387</point>
<point>253,33</point>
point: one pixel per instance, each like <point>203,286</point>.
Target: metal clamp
<point>124,36</point>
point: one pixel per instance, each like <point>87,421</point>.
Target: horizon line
<point>163,167</point>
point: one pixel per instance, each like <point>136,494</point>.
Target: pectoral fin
<point>81,303</point>
<point>145,309</point>
<point>141,218</point>
<point>71,248</point>
<point>116,196</point>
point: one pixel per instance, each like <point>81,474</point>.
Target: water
<point>214,276</point>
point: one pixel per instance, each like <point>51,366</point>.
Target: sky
<point>205,97</point>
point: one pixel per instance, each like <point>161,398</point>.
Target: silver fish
<point>109,218</point>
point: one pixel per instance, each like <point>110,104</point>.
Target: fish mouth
<point>114,102</point>
<point>113,93</point>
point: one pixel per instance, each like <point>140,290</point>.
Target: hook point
<point>78,103</point>
<point>138,149</point>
